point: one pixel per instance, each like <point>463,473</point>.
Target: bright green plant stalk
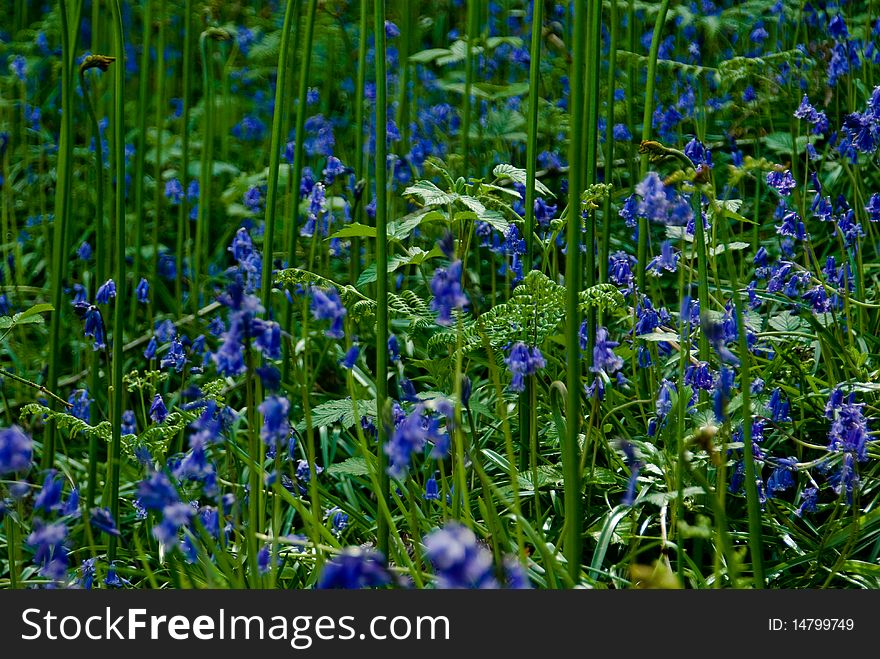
<point>605,242</point>
<point>473,12</point>
<point>62,216</point>
<point>745,384</point>
<point>140,152</point>
<point>271,205</point>
<point>203,219</point>
<point>594,54</point>
<point>381,262</point>
<point>298,155</point>
<point>646,135</point>
<point>182,215</point>
<point>122,297</point>
<point>275,155</point>
<point>360,159</point>
<point>570,447</point>
<point>100,266</point>
<point>526,429</point>
<point>157,176</point>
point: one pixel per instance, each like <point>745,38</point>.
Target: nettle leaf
<point>402,228</point>
<point>518,175</point>
<point>355,230</point>
<point>413,256</point>
<point>430,194</point>
<point>26,317</point>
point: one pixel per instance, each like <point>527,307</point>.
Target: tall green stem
<point>646,134</point>
<point>570,447</point>
<point>473,12</point>
<point>62,216</point>
<point>298,155</point>
<point>360,159</point>
<point>745,382</point>
<point>381,260</point>
<point>605,242</point>
<point>122,295</point>
<point>275,155</point>
<point>142,107</point>
<point>182,214</point>
<point>203,219</point>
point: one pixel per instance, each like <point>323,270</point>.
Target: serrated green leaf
<point>520,176</point>
<point>355,466</point>
<point>430,194</point>
<point>355,230</point>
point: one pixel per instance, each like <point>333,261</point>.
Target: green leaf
<point>402,228</point>
<point>429,55</point>
<point>430,194</point>
<point>339,411</point>
<point>520,176</point>
<point>33,311</point>
<point>414,256</point>
<point>355,466</point>
<point>355,230</point>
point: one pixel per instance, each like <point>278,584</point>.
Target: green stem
<point>122,296</point>
<point>360,159</point>
<point>182,214</point>
<point>473,9</point>
<point>381,262</point>
<point>751,473</point>
<point>570,449</point>
<point>275,156</point>
<point>646,134</point>
<point>142,106</point>
<point>62,215</point>
<point>298,155</point>
<point>604,245</point>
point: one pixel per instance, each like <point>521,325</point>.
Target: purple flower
<point>448,295</point>
<point>158,411</point>
<point>16,450</point>
<point>459,560</point>
<point>326,305</point>
<point>276,426</point>
<point>523,361</point>
<point>143,291</point>
<point>106,292</point>
<point>355,568</point>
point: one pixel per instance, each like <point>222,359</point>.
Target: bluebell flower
<point>263,559</point>
<point>459,561</point>
<point>158,411</point>
<point>143,291</point>
<point>778,407</point>
<point>350,358</point>
<point>523,361</point>
<point>699,376</point>
<point>50,554</point>
<point>106,292</point>
<point>849,431</point>
<point>621,133</point>
<point>782,182</point>
<point>129,423</point>
<point>16,450</point>
<point>174,191</point>
<point>393,349</point>
<point>150,350</point>
<point>276,425</point>
<point>114,580</point>
<point>102,520</point>
<point>81,404</point>
<point>18,67</point>
<point>253,199</point>
<point>49,498</point>
<point>604,358</point>
<point>809,498</point>
<point>174,516</point>
<point>355,568</point>
<point>667,260</point>
<point>432,490</point>
<point>783,477</point>
<point>156,491</point>
<point>87,573</point>
<point>84,253</point>
<point>635,466</point>
<point>175,357</point>
<point>326,305</point>
<point>410,436</point>
<point>447,291</point>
